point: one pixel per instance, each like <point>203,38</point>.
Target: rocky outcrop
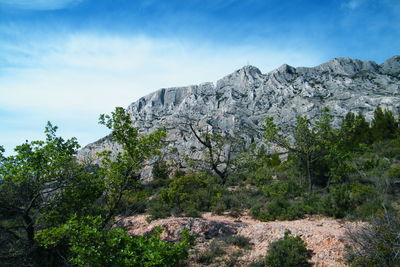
<point>326,237</point>
<point>239,103</point>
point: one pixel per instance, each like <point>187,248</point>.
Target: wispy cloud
<point>353,4</point>
<point>73,79</point>
<point>116,70</point>
<point>39,4</point>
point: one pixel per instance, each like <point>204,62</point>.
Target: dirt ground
<point>324,236</point>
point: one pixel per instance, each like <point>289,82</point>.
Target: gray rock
<point>239,102</point>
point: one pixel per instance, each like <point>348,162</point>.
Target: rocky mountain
<point>239,102</point>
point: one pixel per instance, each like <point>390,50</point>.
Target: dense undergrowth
<point>354,174</point>
<point>47,199</point>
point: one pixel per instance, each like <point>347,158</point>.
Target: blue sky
<point>67,61</point>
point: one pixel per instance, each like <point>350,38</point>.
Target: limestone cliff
<point>239,102</point>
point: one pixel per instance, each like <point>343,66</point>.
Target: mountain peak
<point>348,66</point>
<point>391,66</point>
<point>250,69</point>
<point>240,101</point>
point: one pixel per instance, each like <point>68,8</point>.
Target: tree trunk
<point>309,175</point>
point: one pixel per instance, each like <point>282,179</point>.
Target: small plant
<point>290,251</point>
<point>237,240</point>
<point>215,250</point>
<point>376,243</point>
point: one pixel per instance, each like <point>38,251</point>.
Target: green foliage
<point>283,189</point>
<point>384,125</point>
<point>237,240</point>
<point>90,245</point>
<point>187,195</point>
<point>40,186</point>
<point>289,251</point>
<point>160,173</point>
<point>345,198</point>
<point>355,130</point>
<point>279,209</point>
<point>255,166</point>
<point>214,251</point>
<point>122,170</point>
<point>376,243</point>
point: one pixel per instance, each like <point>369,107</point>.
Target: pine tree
<point>384,125</point>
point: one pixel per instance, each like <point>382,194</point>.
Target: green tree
<point>43,185</point>
<point>384,125</point>
<point>122,171</point>
<point>218,151</point>
<point>355,130</point>
<point>39,186</point>
<point>290,251</point>
<point>310,146</point>
<point>90,245</point>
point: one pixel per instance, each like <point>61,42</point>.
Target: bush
<point>215,250</point>
<point>236,201</point>
<point>283,189</point>
<point>187,195</point>
<point>290,251</point>
<point>344,199</point>
<point>90,245</point>
<point>237,240</point>
<point>279,209</point>
<point>160,173</point>
<point>376,243</point>
<point>133,202</point>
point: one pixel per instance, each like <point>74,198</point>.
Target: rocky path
<point>324,236</point>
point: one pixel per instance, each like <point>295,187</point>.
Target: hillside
<point>218,200</point>
<point>238,103</point>
<point>326,237</point>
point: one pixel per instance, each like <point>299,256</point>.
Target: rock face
<point>239,102</point>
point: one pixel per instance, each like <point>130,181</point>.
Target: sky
<point>68,61</point>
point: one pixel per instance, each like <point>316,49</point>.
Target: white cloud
<point>73,79</point>
<point>39,4</point>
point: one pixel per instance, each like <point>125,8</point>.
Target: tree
<point>122,171</point>
<point>39,187</point>
<point>45,190</point>
<point>90,245</point>
<point>355,130</point>
<point>309,146</point>
<point>384,125</point>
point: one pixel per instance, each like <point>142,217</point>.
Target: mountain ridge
<point>239,102</point>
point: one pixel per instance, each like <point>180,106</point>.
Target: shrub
<point>279,209</point>
<point>237,240</point>
<point>187,195</point>
<point>290,251</point>
<point>133,202</point>
<point>90,245</point>
<point>283,189</point>
<point>236,201</point>
<point>214,251</point>
<point>160,173</point>
<point>376,243</point>
<point>345,198</point>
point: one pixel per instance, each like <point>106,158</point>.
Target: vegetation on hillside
<point>56,211</point>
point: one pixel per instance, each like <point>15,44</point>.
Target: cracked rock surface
<point>239,102</point>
